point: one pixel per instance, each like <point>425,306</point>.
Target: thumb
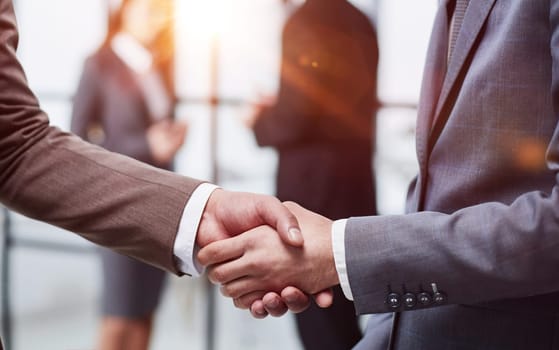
<point>275,214</point>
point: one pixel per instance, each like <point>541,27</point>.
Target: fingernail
<point>274,303</point>
<point>260,312</point>
<point>295,234</point>
<point>290,299</point>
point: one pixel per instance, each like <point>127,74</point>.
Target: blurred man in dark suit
<point>322,124</point>
<point>473,264</point>
<point>112,200</point>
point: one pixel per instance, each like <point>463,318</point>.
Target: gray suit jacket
<point>110,96</point>
<point>483,221</point>
<point>56,177</point>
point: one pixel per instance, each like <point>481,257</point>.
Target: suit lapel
<point>475,17</point>
<point>440,76</point>
<point>130,80</point>
<point>433,77</point>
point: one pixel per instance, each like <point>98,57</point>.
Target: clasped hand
<point>267,273</point>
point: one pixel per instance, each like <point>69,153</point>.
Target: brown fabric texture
<point>53,176</point>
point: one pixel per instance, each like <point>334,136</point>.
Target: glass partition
<point>228,53</point>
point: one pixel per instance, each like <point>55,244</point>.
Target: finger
<point>295,208</point>
<point>257,310</point>
<point>165,124</point>
<point>242,286</point>
<point>295,300</point>
<point>228,272</point>
<point>181,130</point>
<point>247,300</point>
<point>325,298</point>
<point>274,305</point>
<point>220,251</point>
<point>181,124</point>
<point>275,214</point>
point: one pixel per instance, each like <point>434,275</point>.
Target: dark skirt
<point>131,289</point>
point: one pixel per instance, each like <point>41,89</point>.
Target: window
<point>55,38</point>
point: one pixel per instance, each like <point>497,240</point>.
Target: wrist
<point>209,224</point>
<point>184,247</point>
<point>326,262</point>
<point>338,249</point>
<point>333,278</point>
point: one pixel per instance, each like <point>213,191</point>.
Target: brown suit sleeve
<point>55,177</point>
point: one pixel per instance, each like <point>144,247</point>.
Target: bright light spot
<point>203,19</point>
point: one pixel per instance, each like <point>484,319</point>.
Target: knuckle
<point>217,275</point>
<point>237,302</point>
<point>252,266</point>
<point>291,206</point>
<point>223,291</point>
<point>258,312</point>
<point>211,276</point>
<point>228,291</point>
<point>207,256</point>
<point>266,201</point>
<point>203,258</point>
<point>241,303</point>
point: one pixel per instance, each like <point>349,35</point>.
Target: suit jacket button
<point>424,299</point>
<point>439,298</point>
<point>410,300</point>
<point>393,301</point>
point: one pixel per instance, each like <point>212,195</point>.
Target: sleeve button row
<point>410,300</point>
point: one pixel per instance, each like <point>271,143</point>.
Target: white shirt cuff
<point>338,246</point>
<point>185,248</point>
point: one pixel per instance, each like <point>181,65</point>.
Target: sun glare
<point>203,18</point>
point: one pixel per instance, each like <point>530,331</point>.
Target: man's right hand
<point>228,214</point>
<point>266,265</point>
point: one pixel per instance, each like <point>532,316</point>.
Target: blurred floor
<point>55,307</point>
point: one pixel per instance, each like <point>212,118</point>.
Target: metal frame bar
<point>9,243</point>
<point>218,101</point>
<point>5,288</point>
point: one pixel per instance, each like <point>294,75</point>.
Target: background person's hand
<point>165,138</point>
<point>257,108</point>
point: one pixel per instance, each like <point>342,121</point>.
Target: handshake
<point>268,256</point>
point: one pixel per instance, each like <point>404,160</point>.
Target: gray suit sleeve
<point>88,111</point>
<point>485,252</point>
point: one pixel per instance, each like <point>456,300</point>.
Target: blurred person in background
<point>473,263</point>
<point>125,102</point>
<point>110,199</point>
<point>322,123</point>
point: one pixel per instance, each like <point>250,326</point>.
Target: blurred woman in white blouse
<point>125,102</point>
